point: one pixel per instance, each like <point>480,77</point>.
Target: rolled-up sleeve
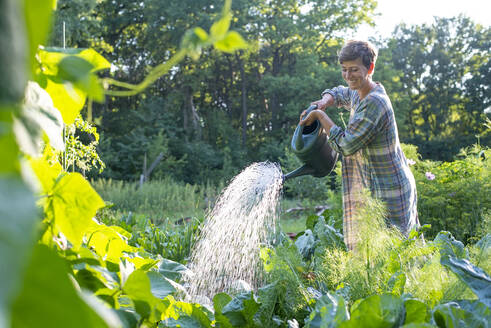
<point>361,129</point>
<point>342,96</point>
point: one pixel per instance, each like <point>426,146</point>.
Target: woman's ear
<point>372,67</point>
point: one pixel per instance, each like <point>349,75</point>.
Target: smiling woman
<point>372,155</point>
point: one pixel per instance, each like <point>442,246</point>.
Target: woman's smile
<point>357,76</point>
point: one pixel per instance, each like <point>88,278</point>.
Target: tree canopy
<point>212,116</point>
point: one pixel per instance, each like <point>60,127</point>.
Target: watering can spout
<point>302,170</point>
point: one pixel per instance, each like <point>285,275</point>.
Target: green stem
<point>154,75</point>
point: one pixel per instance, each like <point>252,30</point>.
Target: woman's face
<point>355,74</point>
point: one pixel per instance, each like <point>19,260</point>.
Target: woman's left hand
<point>310,118</point>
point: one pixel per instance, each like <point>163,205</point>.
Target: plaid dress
<point>372,159</point>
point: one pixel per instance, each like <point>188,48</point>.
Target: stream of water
<point>226,255</point>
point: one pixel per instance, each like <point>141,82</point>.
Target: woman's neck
<point>365,90</point>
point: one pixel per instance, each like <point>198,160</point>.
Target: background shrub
<point>457,199</point>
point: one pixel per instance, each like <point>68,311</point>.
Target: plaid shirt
<point>372,159</point>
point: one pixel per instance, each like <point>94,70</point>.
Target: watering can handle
<point>311,108</point>
<point>299,141</point>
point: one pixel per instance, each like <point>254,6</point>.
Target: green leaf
<point>10,150</point>
<point>172,270</point>
<point>266,255</point>
<point>193,42</point>
<point>50,57</point>
<point>82,255</point>
<point>416,312</point>
<point>108,278</point>
<point>107,242</point>
<point>448,245</point>
<point>453,315</point>
<point>330,311</point>
<point>477,308</point>
<point>306,244</point>
<point>143,263</point>
<point>397,282</point>
<point>159,285</point>
<point>138,289</point>
<point>231,42</point>
<point>69,84</point>
<point>17,221</point>
<point>220,300</point>
<point>93,57</point>
<point>68,99</point>
<point>377,311</point>
<point>72,205</point>
<point>476,278</point>
<point>240,310</point>
<point>73,68</point>
<point>328,236</point>
<point>311,221</point>
<point>485,242</point>
<point>79,71</point>
<point>190,316</point>
<point>88,280</point>
<point>127,318</point>
<point>38,115</point>
<point>220,27</point>
<point>13,54</point>
<point>108,315</point>
<point>38,22</point>
<point>48,297</point>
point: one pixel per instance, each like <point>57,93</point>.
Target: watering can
<point>309,144</point>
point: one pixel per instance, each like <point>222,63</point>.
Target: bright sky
<point>411,12</point>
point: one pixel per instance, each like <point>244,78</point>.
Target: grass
<point>159,199</point>
<point>295,220</point>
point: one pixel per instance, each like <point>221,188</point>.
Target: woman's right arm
<point>342,96</point>
<point>339,96</point>
<point>326,101</point>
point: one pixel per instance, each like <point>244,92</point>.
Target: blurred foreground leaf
<point>48,297</point>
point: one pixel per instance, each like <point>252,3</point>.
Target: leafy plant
<point>456,200</point>
<point>171,241</point>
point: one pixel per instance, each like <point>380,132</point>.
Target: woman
<point>372,155</point>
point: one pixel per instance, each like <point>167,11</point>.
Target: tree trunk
<point>185,122</point>
<point>275,104</point>
<point>244,100</point>
<point>192,113</point>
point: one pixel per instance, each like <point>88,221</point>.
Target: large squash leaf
<point>48,297</point>
<point>476,278</point>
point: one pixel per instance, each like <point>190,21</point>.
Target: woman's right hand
<point>323,103</point>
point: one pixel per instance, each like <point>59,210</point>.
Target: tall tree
<point>446,72</point>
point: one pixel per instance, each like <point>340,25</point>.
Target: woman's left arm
<point>367,121</point>
<point>319,115</point>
